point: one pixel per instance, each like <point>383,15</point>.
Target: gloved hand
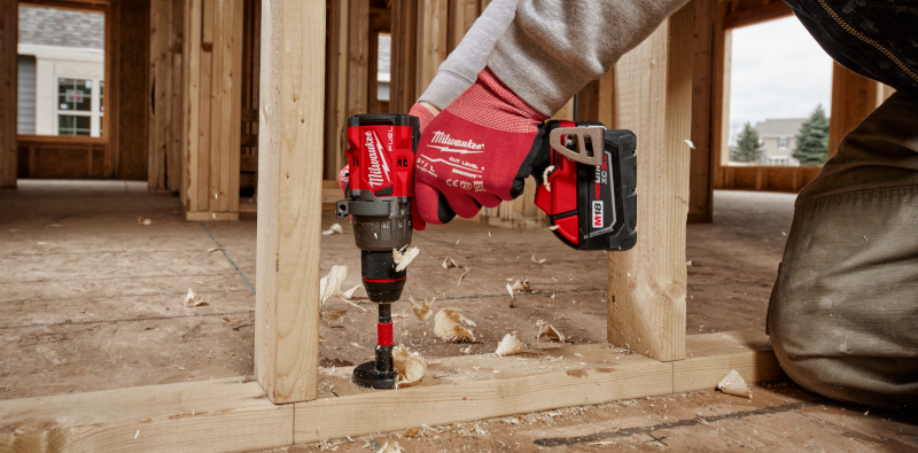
<point>423,110</point>
<point>476,152</point>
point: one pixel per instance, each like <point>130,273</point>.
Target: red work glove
<point>419,110</point>
<point>475,153</point>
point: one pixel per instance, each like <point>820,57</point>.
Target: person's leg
<point>843,315</point>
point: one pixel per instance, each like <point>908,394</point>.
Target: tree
<point>813,139</point>
<point>748,148</point>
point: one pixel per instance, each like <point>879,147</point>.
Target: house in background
<point>779,138</point>
<point>61,72</point>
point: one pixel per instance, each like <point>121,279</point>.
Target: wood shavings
<point>541,261</point>
<point>510,290</point>
<point>509,345</point>
<point>462,277</point>
<point>522,286</point>
<point>333,315</point>
<point>447,326</point>
<point>545,175</point>
<point>553,227</point>
<point>227,319</point>
<point>690,144</point>
<point>548,332</point>
<point>334,229</point>
<point>144,222</point>
<point>412,432</point>
<point>403,258</point>
<point>733,384</point>
<point>421,311</point>
<point>330,284</point>
<point>390,448</point>
<point>213,249</point>
<point>449,263</point>
<point>688,263</point>
<point>410,366</point>
<point>193,299</point>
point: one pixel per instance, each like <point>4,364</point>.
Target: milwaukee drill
<point>587,188</point>
<point>380,155</point>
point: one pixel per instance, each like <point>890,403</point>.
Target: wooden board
<point>231,415</point>
<point>209,416</point>
<point>750,12</point>
<point>647,285</point>
<point>720,137</point>
<point>335,87</point>
<point>132,69</point>
<point>290,199</point>
<point>358,50</point>
<point>462,14</point>
<point>404,62</point>
<point>160,113</point>
<point>9,38</point>
<point>769,179</point>
<point>853,98</point>
<point>701,189</point>
<point>432,40</point>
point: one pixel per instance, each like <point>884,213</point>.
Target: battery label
<point>598,214</point>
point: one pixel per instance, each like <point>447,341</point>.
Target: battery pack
<point>592,207</point>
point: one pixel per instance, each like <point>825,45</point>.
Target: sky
<point>778,71</point>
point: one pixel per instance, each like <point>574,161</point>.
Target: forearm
<point>555,47</point>
<point>462,66</point>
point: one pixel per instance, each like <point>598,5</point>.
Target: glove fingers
<point>464,205</point>
<point>431,206</point>
<point>487,200</point>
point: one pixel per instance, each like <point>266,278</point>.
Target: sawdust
<point>334,229</point>
<point>510,290</point>
<point>447,326</point>
<point>449,263</point>
<point>554,227</point>
<point>733,384</point>
<point>390,448</point>
<point>404,258</point>
<point>144,222</point>
<point>333,315</point>
<point>509,345</point>
<point>421,311</point>
<point>193,299</point>
<point>330,285</point>
<point>541,261</point>
<point>228,319</point>
<point>410,366</point>
<point>545,175</point>
<point>548,332</point>
<point>522,286</point>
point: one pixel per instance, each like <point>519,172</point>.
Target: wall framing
<point>283,406</point>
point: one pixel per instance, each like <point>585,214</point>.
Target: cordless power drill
<point>588,191</point>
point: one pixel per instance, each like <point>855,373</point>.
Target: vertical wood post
<point>853,98</point>
<point>336,87</point>
<point>404,61</point>
<point>9,38</point>
<point>462,14</point>
<point>289,199</point>
<point>358,49</point>
<point>701,190</point>
<point>160,115</point>
<point>720,137</point>
<point>432,40</point>
<point>647,285</point>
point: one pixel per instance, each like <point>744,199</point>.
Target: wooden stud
<point>358,49</point>
<point>207,28</point>
<point>462,14</point>
<point>431,41</point>
<point>404,63</point>
<point>130,90</point>
<point>335,87</point>
<point>720,137</point>
<point>290,199</point>
<point>853,98</point>
<point>755,12</point>
<point>9,39</point>
<point>701,190</point>
<point>161,89</point>
<point>176,121</point>
<point>192,105</point>
<point>647,285</point>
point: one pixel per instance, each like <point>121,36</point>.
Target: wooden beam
<point>160,115</point>
<point>210,416</point>
<point>358,50</point>
<point>9,38</point>
<point>432,39</point>
<point>335,86</point>
<point>647,285</point>
<point>131,130</point>
<point>720,136</point>
<point>462,14</point>
<point>290,199</point>
<point>404,63</point>
<point>231,414</point>
<point>176,121</point>
<point>701,189</point>
<point>853,98</point>
<point>756,12</point>
<point>191,100</point>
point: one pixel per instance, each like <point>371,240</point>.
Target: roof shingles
<point>59,27</point>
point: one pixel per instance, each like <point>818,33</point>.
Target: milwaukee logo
<point>379,168</point>
<point>443,138</point>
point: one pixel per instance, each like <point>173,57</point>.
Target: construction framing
<point>650,91</point>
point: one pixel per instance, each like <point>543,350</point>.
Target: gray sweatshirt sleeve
<point>462,66</point>
<point>555,47</point>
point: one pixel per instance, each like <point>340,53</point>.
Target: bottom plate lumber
<point>210,416</point>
